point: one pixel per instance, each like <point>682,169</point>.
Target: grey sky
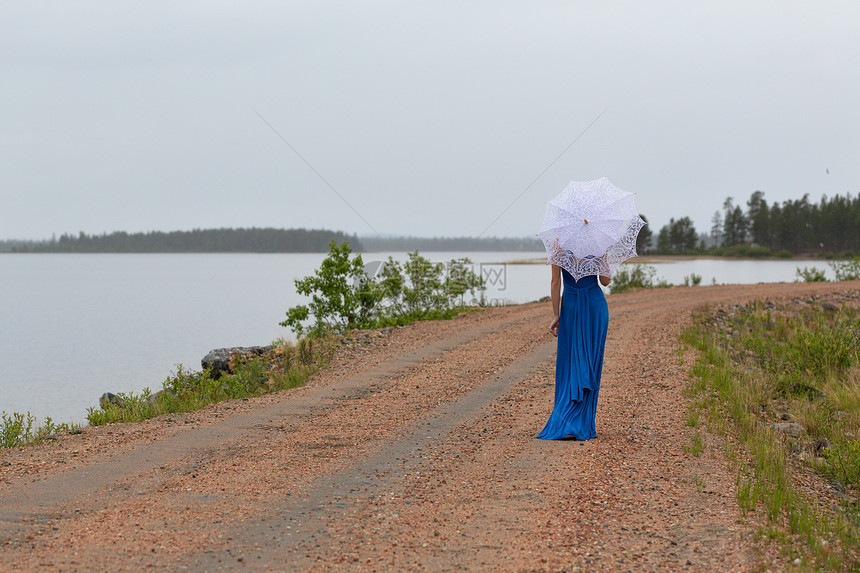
<point>428,117</point>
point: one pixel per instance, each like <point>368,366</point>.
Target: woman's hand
<point>553,328</point>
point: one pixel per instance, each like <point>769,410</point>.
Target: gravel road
<point>414,451</point>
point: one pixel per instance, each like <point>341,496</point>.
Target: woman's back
<point>582,326</point>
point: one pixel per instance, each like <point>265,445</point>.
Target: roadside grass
<point>761,365</point>
<point>287,365</point>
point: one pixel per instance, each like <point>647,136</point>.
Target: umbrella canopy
<point>590,228</point>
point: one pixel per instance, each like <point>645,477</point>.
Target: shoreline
<point>667,259</point>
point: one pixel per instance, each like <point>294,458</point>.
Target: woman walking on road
<point>581,317</point>
<point>589,229</point>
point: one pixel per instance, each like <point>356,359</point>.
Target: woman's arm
<point>555,295</point>
<point>604,280</point>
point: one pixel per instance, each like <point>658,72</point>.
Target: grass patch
<point>693,417</point>
<point>697,446</point>
<point>286,365</point>
<point>760,365</point>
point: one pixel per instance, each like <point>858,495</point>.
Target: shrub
<point>634,276</point>
<point>345,297</point>
<point>810,274</point>
<point>341,294</point>
<point>842,462</point>
<point>848,270</point>
<point>15,430</point>
<point>692,279</point>
<point>18,429</point>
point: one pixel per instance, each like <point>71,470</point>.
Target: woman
<point>580,321</point>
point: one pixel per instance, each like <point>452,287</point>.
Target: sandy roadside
<point>414,452</point>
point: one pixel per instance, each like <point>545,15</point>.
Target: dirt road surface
<point>414,451</point>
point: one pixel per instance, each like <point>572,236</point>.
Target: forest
<point>251,240</point>
<point>830,228</point>
<point>259,241</point>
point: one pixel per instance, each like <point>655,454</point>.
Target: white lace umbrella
<point>590,228</point>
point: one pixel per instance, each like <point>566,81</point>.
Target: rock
<point>109,399</point>
<point>792,429</point>
<point>820,444</point>
<point>221,360</point>
<point>830,306</point>
<point>808,390</point>
<point>153,398</point>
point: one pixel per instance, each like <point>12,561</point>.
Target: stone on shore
<point>222,360</point>
<point>109,398</point>
<point>153,398</point>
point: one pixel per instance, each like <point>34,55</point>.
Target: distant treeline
<point>13,245</point>
<point>197,241</point>
<point>258,241</point>
<point>796,226</point>
<point>425,244</point>
<point>829,228</point>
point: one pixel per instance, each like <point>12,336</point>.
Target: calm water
<point>75,326</point>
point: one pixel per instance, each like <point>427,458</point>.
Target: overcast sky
<point>428,118</point>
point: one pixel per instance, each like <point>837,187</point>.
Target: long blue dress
<point>583,320</point>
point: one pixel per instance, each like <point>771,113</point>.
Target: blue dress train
<point>583,320</point>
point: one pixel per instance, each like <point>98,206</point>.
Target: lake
<point>73,326</point>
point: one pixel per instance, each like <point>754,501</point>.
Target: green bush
<point>810,274</point>
<point>635,276</point>
<point>15,430</point>
<point>842,462</point>
<point>692,279</point>
<point>343,297</point>
<point>848,270</point>
<point>18,429</point>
